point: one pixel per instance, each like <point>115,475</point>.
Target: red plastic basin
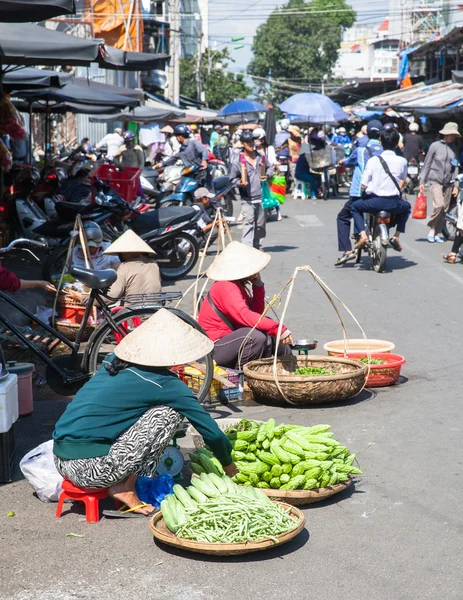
<point>381,375</point>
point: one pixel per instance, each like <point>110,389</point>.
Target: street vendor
<point>231,313</point>
<point>96,246</point>
<point>119,424</point>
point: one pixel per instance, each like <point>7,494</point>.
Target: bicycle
<point>67,373</point>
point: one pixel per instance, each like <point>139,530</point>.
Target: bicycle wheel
<point>105,339</point>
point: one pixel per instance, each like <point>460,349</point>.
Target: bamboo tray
<point>163,534</point>
<point>302,497</point>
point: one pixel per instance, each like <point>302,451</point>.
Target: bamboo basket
<point>161,532</point>
<point>306,389</point>
<point>302,497</point>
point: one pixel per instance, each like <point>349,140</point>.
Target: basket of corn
<point>215,516</point>
<point>306,380</point>
<point>291,463</point>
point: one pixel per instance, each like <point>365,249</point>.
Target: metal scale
<point>172,460</point>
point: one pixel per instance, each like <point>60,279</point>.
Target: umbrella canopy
<point>25,44</point>
<point>313,108</point>
<point>107,88</point>
<point>62,107</point>
<point>79,94</point>
<point>144,114</point>
<point>26,11</point>
<point>28,78</point>
<point>113,58</point>
<point>239,107</point>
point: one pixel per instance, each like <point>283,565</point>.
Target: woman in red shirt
<point>234,306</point>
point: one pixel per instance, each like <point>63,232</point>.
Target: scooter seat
<point>96,280</point>
<point>163,217</point>
<point>67,211</point>
<point>219,183</point>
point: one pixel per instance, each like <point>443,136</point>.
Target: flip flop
<point>395,244</point>
<point>346,257</point>
<point>128,513</point>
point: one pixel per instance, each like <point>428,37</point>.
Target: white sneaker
<point>438,239</point>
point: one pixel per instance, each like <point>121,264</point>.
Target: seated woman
<point>383,179</point>
<point>234,307</point>
<point>96,246</point>
<point>119,424</point>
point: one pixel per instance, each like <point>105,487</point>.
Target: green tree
<point>219,85</point>
<point>299,44</point>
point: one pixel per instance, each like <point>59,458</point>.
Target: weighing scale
<point>304,346</point>
<point>172,460</point>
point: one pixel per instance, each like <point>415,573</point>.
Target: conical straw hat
<point>163,340</point>
<point>237,261</point>
<point>129,242</point>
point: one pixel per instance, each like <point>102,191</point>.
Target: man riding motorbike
<point>191,151</point>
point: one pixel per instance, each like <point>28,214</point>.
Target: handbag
<point>268,201</point>
<point>420,209</point>
<point>278,188</point>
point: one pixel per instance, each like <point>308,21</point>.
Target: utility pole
<point>174,69</point>
<point>199,75</point>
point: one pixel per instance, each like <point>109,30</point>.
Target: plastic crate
<point>7,456</point>
<point>124,182</point>
<point>218,394</point>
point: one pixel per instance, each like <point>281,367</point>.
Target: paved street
<point>396,536</point>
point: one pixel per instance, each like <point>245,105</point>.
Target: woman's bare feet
<point>125,493</point>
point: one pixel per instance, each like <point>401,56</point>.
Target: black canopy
<point>107,88</point>
<point>26,11</point>
<point>28,78</point>
<point>113,58</point>
<point>144,114</point>
<point>62,107</point>
<point>79,94</point>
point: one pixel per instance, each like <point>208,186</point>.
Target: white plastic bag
<point>38,467</point>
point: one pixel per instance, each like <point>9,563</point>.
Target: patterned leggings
<point>137,451</point>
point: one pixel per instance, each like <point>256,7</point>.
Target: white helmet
<point>284,124</point>
<point>414,127</point>
<point>259,133</point>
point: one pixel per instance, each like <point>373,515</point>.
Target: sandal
<point>450,258</point>
<point>128,513</point>
<point>395,244</point>
<point>346,257</point>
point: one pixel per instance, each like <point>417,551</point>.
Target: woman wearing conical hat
<point>119,424</point>
<point>231,313</point>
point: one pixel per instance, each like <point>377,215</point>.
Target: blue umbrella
<point>239,107</point>
<point>313,108</point>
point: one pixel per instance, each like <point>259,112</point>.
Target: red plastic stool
<point>90,497</point>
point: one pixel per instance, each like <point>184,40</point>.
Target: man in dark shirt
<point>191,151</point>
<point>413,144</point>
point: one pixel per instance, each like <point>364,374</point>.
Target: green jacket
<point>108,405</point>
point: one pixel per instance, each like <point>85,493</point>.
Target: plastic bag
<point>420,210</point>
<point>153,491</point>
<point>278,188</point>
<point>38,467</point>
<point>268,201</point>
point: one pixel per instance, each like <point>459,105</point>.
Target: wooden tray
<point>301,497</point>
<point>163,534</point>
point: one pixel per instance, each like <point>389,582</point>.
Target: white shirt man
<point>376,179</point>
<point>113,141</point>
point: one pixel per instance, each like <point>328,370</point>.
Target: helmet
<point>129,136</point>
<point>118,130</point>
<point>284,124</point>
<point>414,127</point>
<point>374,128</point>
<point>342,130</point>
<point>93,234</point>
<point>246,136</point>
<point>182,130</point>
<point>193,127</point>
<point>259,133</point>
<point>390,126</point>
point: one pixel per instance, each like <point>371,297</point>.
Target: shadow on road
<point>363,396</point>
<point>279,248</point>
<point>393,263</point>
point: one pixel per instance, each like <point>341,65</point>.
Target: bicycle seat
<point>155,219</point>
<point>94,279</point>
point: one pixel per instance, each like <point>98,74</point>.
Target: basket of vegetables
<point>225,425</point>
<point>306,380</point>
<point>384,367</point>
<point>216,516</point>
<point>295,464</point>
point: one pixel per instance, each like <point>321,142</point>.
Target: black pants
<point>457,243</point>
<point>257,346</point>
<point>343,223</point>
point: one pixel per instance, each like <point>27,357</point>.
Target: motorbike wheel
<point>450,228</point>
<point>55,263</point>
<point>379,254</point>
<point>188,251</point>
<point>325,190</point>
<point>227,204</point>
<point>103,342</point>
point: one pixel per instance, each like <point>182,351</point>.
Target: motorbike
<point>166,230</point>
<point>451,216</point>
<point>413,172</point>
<point>377,227</point>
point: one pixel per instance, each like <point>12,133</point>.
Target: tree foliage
<point>220,86</point>
<point>299,43</point>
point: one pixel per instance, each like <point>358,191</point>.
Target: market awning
<point>78,94</point>
<point>131,61</point>
<point>28,78</point>
<point>196,115</point>
<point>27,11</point>
<point>62,107</point>
<point>108,88</point>
<point>454,38</point>
<point>143,114</point>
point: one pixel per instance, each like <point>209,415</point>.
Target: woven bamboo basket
<point>306,389</point>
<point>160,531</point>
<point>302,497</point>
<point>70,330</point>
